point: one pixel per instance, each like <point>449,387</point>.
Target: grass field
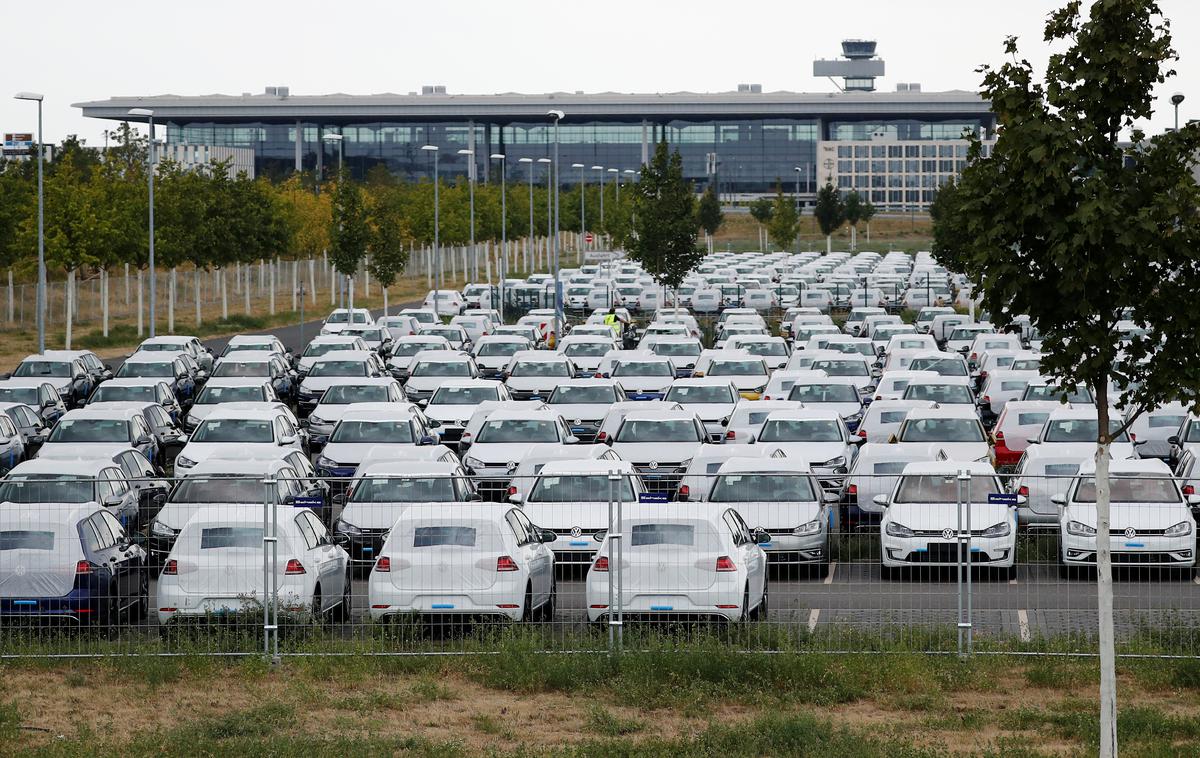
<point>675,697</point>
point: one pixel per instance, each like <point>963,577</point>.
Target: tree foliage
<point>663,237</point>
<point>349,231</point>
<point>829,209</point>
<point>708,212</point>
<point>784,222</point>
<point>761,209</point>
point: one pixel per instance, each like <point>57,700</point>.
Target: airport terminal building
<point>897,145</point>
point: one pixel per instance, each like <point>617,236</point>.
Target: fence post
<point>612,620</point>
<point>970,622</point>
<point>964,622</point>
<point>270,580</point>
<point>620,554</point>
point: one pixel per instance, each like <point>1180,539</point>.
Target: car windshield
<point>26,540</point>
<point>372,431</point>
<point>342,317</point>
<point>841,368</point>
<point>939,393</point>
<point>944,488</point>
<point>737,368</point>
<point>1080,430</point>
<point>339,368</point>
<point>218,537</point>
<point>965,333</point>
<point>943,366</point>
<point>90,430</point>
<point>43,368</point>
<point>942,430</point>
<point>574,488</point>
<point>234,430</point>
<point>462,395</point>
<point>657,430</point>
<point>246,346</point>
<point>1027,364</point>
<point>1047,392</point>
<point>49,488</point>
<point>643,368</point>
<point>316,349</point>
<point>676,349</point>
<point>755,487</point>
<point>565,394</point>
<point>344,394</point>
<point>702,394</point>
<point>160,347</point>
<point>518,430</point>
<point>26,395</point>
<point>541,368</point>
<point>587,349</point>
<point>452,335</point>
<point>219,488</point>
<point>765,348</point>
<point>403,489</point>
<point>1160,421</point>
<point>1131,488</point>
<point>161,369</point>
<point>502,348</point>
<point>412,348</point>
<point>802,430</point>
<point>123,393</point>
<point>228,367</point>
<point>824,393</point>
<point>441,368</point>
<point>213,394</point>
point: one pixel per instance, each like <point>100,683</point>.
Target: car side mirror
<point>516,498</point>
<point>112,501</point>
<point>1058,499</point>
<point>107,367</point>
<point>339,499</point>
<point>1173,440</point>
<point>433,423</point>
<point>1022,500</point>
<point>143,440</point>
<point>830,497</point>
<point>725,421</point>
<point>546,536</point>
<point>881,500</point>
<point>571,440</point>
<point>290,439</point>
<point>428,439</point>
<point>1193,499</point>
<point>423,403</point>
<point>464,445</point>
<point>160,499</point>
<point>608,441</point>
<point>752,440</point>
<point>760,536</point>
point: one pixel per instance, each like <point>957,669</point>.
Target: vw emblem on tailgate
<point>1130,533</point>
<point>947,534</point>
<point>511,465</point>
<point>653,465</point>
<point>576,531</point>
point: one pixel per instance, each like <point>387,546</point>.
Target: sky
<point>87,52</point>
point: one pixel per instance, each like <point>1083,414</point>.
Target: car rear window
<point>217,537</point>
<point>1030,419</point>
<point>892,417</point>
<point>435,536</point>
<point>645,535</point>
<point>891,467</point>
<point>1062,469</point>
<point>26,540</point>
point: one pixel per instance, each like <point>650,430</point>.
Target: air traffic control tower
<point>858,67</point>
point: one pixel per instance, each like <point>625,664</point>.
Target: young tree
<point>663,237</point>
<point>1066,225</point>
<point>390,241</point>
<point>866,214</point>
<point>853,210</point>
<point>349,232</point>
<point>785,222</point>
<point>830,213</point>
<point>709,215</point>
<point>760,211</point>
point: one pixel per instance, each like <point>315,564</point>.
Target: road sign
<point>588,238</point>
<point>1002,498</point>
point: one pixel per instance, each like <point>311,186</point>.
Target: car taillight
<point>1023,491</point>
<point>1189,489</point>
<point>684,490</point>
<point>983,374</point>
<point>383,565</point>
<point>852,489</point>
<point>512,490</point>
<point>974,356</point>
<point>999,434</point>
<point>294,567</point>
<point>601,564</point>
<point>170,568</point>
<point>766,397</point>
<point>601,436</point>
<point>987,399</point>
<point>505,563</point>
<point>725,563</point>
<point>730,435</point>
<point>84,567</point>
<point>862,433</point>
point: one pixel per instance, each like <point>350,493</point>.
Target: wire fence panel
<point>591,555</point>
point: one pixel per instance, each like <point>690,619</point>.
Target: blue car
<point>69,564</point>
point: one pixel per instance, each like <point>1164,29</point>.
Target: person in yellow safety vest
<point>611,319</point>
<point>552,341</point>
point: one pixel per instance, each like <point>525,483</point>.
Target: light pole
<point>549,198</point>
<point>437,253</point>
<point>1176,99</point>
<point>149,114</point>
<point>343,290</point>
<point>41,281</point>
<point>617,174</point>
<point>555,170</point>
<point>582,204</point>
<point>336,139</point>
<point>529,236</point>
<point>601,170</point>
<point>471,190</point>
<point>503,225</point>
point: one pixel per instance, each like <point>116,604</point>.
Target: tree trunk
<point>271,284</point>
<point>366,278</point>
<point>224,296</point>
<point>70,307</point>
<point>103,301</point>
<point>350,296</point>
<point>10,296</point>
<point>171,303</point>
<point>196,288</point>
<point>1104,589</point>
<point>126,286</point>
<point>853,237</point>
<point>385,302</point>
<point>828,244</point>
<point>868,232</point>
<point>139,303</point>
<point>246,289</point>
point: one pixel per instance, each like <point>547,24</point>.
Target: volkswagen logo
<point>20,570</point>
<point>1130,533</point>
<point>511,465</point>
<point>662,567</point>
<point>653,465</point>
<point>578,422</point>
<point>576,531</point>
<point>947,534</point>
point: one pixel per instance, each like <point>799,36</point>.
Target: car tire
<point>760,613</point>
<point>316,605</point>
<point>745,605</point>
<point>1009,573</point>
<point>546,612</point>
<point>527,611</point>
<point>139,610</point>
<point>341,612</point>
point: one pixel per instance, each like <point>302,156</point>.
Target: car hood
<point>939,516</point>
<point>710,411</point>
<point>382,515</point>
<point>646,383</point>
<point>763,514</point>
<point>845,409</point>
<point>426,383</point>
<point>813,452</point>
<point>322,383</point>
<point>581,411</point>
<point>175,515</point>
<point>527,383</point>
<point>202,451</point>
<point>458,415</point>
<point>586,516</point>
<point>1140,516</point>
<point>955,451</point>
<point>666,452</point>
<point>332,412</point>
<point>83,449</point>
<point>1087,450</point>
<point>353,452</point>
<point>304,364</point>
<point>500,453</point>
<point>491,361</point>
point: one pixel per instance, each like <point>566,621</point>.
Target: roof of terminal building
<point>601,105</point>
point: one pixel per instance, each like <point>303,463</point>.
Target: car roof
<point>239,339</point>
<point>72,464</point>
<point>232,381</point>
<point>802,414</point>
<point>248,356</point>
<point>134,381</point>
<point>122,405</point>
<point>48,514</point>
<point>521,415</point>
<point>344,355</point>
<point>379,412</point>
<point>102,412</point>
<point>546,356</point>
<point>651,414</point>
<point>585,466</point>
<point>383,468</point>
<point>702,381</point>
<point>477,512</point>
<point>442,356</point>
<point>158,356</point>
<point>948,468</point>
<point>764,465</point>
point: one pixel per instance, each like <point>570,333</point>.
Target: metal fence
<point>409,564</point>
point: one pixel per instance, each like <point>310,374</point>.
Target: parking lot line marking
<point>832,568</point>
<point>813,615</point>
<point>1023,623</point>
<point>1013,580</point>
<point>1196,579</point>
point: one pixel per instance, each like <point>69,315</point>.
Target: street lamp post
<point>617,173</point>
<point>437,253</point>
<point>503,226</point>
<point>582,205</point>
<point>601,170</point>
<point>149,114</point>
<point>549,196</point>
<point>1176,99</point>
<point>344,289</point>
<point>529,236</point>
<point>41,237</point>
<point>554,169</point>
<point>471,190</point>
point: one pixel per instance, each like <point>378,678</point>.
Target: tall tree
<point>709,215</point>
<point>349,231</point>
<point>663,237</point>
<point>866,214</point>
<point>785,222</point>
<point>830,212</point>
<point>390,241</point>
<point>853,210</point>
<point>760,211</point>
<point>1067,225</point>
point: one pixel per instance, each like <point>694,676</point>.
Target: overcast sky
<point>92,52</point>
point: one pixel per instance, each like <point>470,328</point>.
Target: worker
<point>611,319</point>
<point>552,340</point>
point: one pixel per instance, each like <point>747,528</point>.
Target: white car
<point>98,433</point>
<point>643,375</point>
<point>474,324</point>
<point>682,351</point>
<point>661,444</point>
<point>503,439</point>
<point>430,368</point>
<point>875,471</point>
<point>748,373</point>
<point>586,351</point>
<point>1041,475</point>
<point>366,425</point>
<point>445,302</point>
<point>488,560</point>
<point>342,317</point>
<point>685,561</point>
<point>781,498</point>
<point>1159,423</point>
<point>491,353</point>
<point>242,427</point>
<point>454,334</point>
<point>533,374</point>
<point>747,417</point>
<point>814,435</point>
<point>583,404</point>
<point>454,401</point>
<point>834,393</point>
<point>1019,422</point>
<point>571,498</point>
<point>1071,429</point>
<point>954,430</point>
<point>525,474</point>
<point>323,344</point>
<point>921,520</point>
<point>331,368</point>
<point>344,396</point>
<point>883,418</point>
<point>946,364</point>
<point>712,397</point>
<point>943,390</point>
<point>227,390</point>
<point>216,566</point>
<point>773,350</point>
<point>406,348</point>
<point>1151,522</point>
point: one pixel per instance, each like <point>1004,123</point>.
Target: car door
<point>127,509</point>
<point>543,557</point>
<point>528,555</point>
<point>13,451</point>
<point>331,574</point>
<point>109,557</point>
<point>750,554</point>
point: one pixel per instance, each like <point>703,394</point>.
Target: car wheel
<point>316,604</point>
<point>527,612</point>
<point>341,612</point>
<point>745,616</point>
<point>546,612</point>
<point>760,613</point>
<point>138,610</point>
<point>1009,573</point>
<point>889,573</point>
